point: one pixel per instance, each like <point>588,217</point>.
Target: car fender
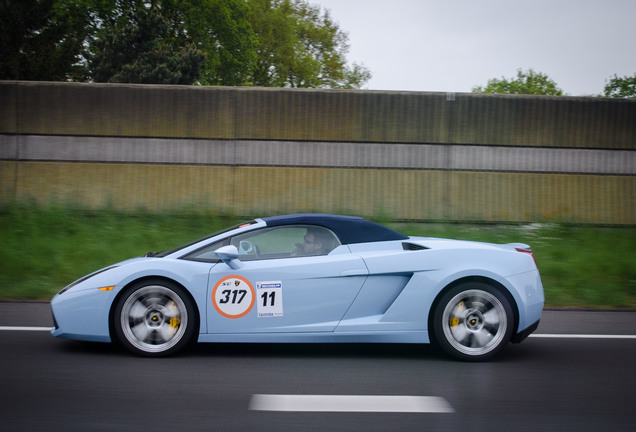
<point>192,276</point>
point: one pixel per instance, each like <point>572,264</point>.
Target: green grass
<point>44,248</point>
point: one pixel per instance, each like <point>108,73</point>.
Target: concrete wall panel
<point>410,155</point>
<point>401,194</point>
<point>315,115</point>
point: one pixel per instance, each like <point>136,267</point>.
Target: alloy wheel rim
<point>154,319</point>
<point>474,322</point>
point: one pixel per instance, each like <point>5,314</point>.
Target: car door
<point>275,289</point>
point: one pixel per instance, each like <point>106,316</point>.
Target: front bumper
<point>81,315</point>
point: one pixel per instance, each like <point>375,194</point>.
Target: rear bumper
<point>519,337</point>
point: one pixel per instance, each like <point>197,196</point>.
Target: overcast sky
<point>454,45</point>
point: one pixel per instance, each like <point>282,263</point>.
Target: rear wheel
<point>154,319</point>
<point>473,321</point>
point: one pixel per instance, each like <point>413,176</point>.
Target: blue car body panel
<point>377,285</point>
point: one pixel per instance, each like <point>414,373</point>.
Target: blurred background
<point>409,156</point>
<point>129,126</point>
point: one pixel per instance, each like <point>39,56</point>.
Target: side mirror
<point>229,255</point>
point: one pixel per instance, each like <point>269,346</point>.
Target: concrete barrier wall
<point>414,156</point>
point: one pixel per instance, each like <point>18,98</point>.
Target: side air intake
<point>412,247</point>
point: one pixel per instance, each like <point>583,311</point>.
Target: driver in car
<point>314,243</point>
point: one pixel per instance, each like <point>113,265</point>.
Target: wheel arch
<point>157,279</point>
<point>482,279</point>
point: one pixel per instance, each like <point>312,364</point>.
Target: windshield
<point>183,246</point>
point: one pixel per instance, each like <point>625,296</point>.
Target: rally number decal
<point>270,299</point>
<point>233,296</point>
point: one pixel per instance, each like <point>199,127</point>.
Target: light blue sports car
<point>310,278</point>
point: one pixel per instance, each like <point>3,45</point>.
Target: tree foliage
<point>134,43</point>
<point>526,83</point>
<point>621,87</point>
<point>283,43</point>
<point>221,30</point>
<point>42,39</point>
<point>299,45</point>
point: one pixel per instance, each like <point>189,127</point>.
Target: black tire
<point>154,318</point>
<point>473,321</point>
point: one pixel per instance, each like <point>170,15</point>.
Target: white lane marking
<point>582,336</point>
<point>344,403</point>
<point>14,328</point>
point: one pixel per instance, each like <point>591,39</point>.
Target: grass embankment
<point>45,248</point>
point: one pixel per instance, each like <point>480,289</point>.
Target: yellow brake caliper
<point>459,309</point>
<point>175,322</point>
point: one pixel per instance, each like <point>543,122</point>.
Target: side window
<point>285,242</point>
<point>273,243</point>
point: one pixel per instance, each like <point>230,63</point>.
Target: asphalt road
<point>552,383</point>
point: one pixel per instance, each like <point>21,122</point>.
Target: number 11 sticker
<point>269,299</point>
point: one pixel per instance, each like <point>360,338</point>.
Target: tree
<point>298,45</point>
<point>219,28</point>
<point>273,43</point>
<point>134,44</point>
<point>528,83</point>
<point>42,39</point>
<point>624,87</point>
<point>282,43</point>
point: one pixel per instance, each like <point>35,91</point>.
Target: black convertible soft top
<point>349,229</point>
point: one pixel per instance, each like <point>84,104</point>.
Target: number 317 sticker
<point>269,297</point>
<point>233,296</point>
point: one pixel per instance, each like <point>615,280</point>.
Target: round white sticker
<point>233,296</point>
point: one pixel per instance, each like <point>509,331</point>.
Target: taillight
<point>527,251</point>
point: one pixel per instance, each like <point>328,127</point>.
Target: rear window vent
<point>413,247</point>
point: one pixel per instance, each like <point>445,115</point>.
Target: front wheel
<point>473,321</point>
<point>154,319</point>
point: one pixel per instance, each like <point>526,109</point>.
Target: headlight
<point>79,281</point>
